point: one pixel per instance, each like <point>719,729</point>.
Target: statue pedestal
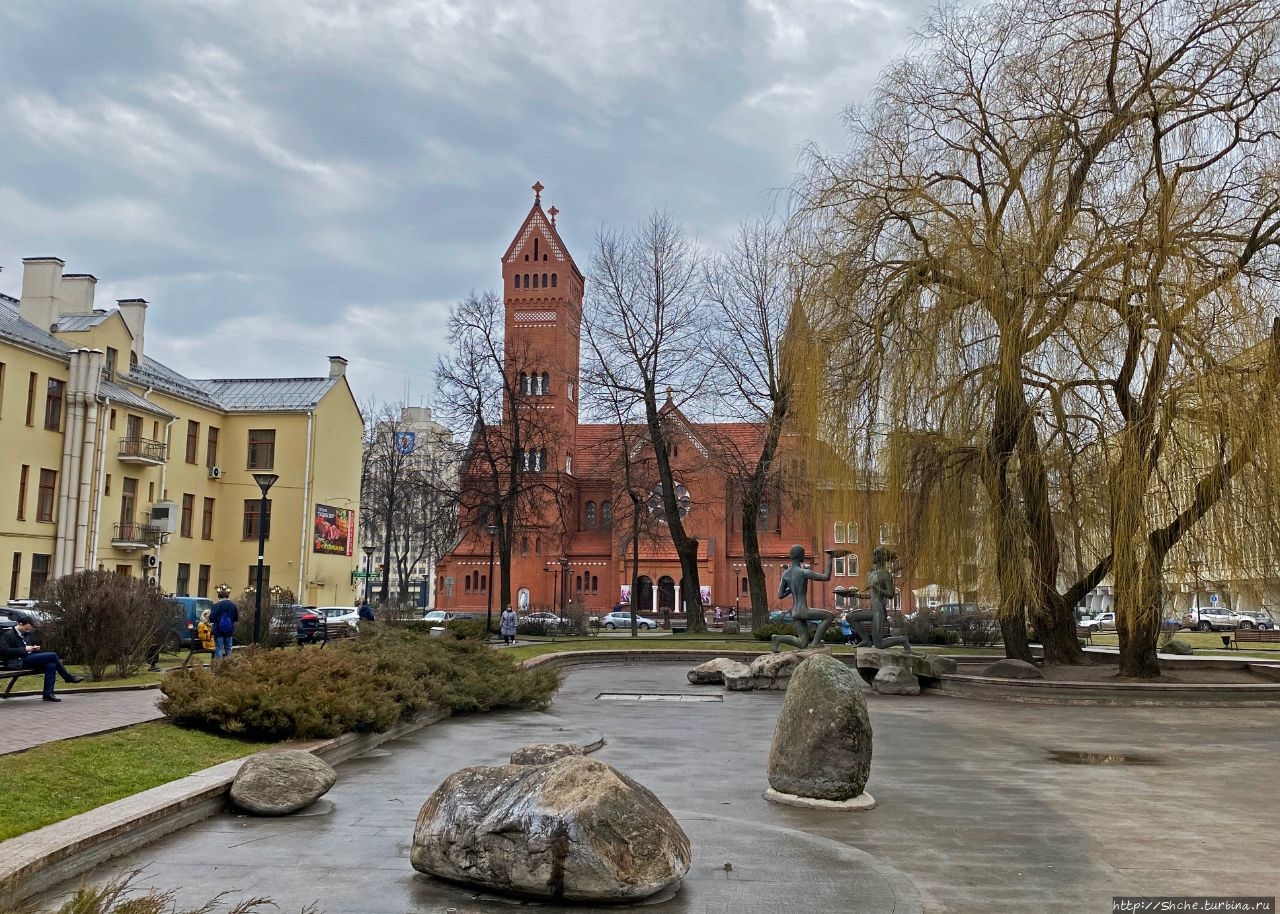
<point>861,801</point>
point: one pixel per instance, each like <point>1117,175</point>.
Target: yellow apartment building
<point>112,460</point>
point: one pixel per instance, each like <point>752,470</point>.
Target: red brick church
<point>578,556</point>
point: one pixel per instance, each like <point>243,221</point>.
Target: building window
<point>484,583</point>
<point>526,280</point>
<point>15,575</point>
<point>851,532</point>
<point>45,497</point>
<point>202,581</point>
<point>22,491</point>
<point>764,514</point>
<point>591,514</point>
<point>128,499</point>
<point>31,398</point>
<point>546,383</point>
<point>838,567</point>
<point>569,391</point>
<point>188,515</point>
<point>262,448</point>
<point>133,428</point>
<point>839,532</point>
<point>253,578</point>
<point>112,423</point>
<point>53,404</point>
<point>577,585</point>
<point>211,448</point>
<point>524,545</point>
<point>742,586</point>
<point>193,441</point>
<point>888,534</point>
<point>109,369</point>
<point>106,485</point>
<point>852,567</point>
<point>595,584</point>
<point>535,248</point>
<point>39,575</point>
<point>537,546</point>
<point>606,514</point>
<point>1,388</point>
<point>206,520</point>
<point>254,521</point>
<point>544,280</point>
<point>466,584</point>
<point>183,586</point>
<point>535,280</point>
<point>524,382</point>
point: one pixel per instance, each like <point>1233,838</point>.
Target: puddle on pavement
<point>1077,757</point>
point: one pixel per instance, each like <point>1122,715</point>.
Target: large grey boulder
<point>770,671</point>
<point>575,829</point>
<point>1013,669</point>
<point>714,671</point>
<point>1177,646</point>
<point>916,663</point>
<point>544,753</point>
<point>822,744</point>
<point>278,783</point>
<point>892,680</point>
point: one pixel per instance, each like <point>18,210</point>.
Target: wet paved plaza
<point>983,807</point>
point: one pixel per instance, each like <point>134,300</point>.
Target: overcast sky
<point>286,179</point>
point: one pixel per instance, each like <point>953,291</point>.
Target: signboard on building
<point>705,595</point>
<point>405,442</point>
<point>334,530</point>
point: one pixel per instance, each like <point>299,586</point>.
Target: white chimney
<point>77,293</point>
<point>41,288</point>
<point>134,312</point>
<point>337,366</point>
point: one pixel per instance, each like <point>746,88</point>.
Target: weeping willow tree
<point>1054,235</point>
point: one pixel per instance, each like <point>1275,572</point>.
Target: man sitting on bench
<point>18,654</point>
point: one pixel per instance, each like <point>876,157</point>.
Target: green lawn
<point>36,683</point>
<point>54,782</point>
<point>1203,642</point>
<point>712,642</point>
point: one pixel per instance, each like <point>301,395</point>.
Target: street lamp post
<point>564,585</point>
<point>492,530</point>
<point>368,568</point>
<point>265,481</point>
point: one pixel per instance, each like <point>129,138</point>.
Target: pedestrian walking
<point>18,651</point>
<point>508,626</point>
<point>222,619</point>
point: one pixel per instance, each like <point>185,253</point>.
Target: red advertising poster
<point>335,530</point>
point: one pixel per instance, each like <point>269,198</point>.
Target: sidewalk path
<point>28,722</point>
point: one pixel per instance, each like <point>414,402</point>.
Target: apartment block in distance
<point>114,461</point>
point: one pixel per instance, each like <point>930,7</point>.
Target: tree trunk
<point>690,589</point>
<point>751,554</point>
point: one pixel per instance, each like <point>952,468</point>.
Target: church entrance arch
<point>644,593</point>
<point>666,594</point>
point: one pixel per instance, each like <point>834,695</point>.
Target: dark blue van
<point>188,617</point>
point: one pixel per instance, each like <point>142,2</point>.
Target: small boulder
<point>544,753</point>
<point>278,783</point>
<point>575,829</point>
<point>916,663</point>
<point>1013,669</point>
<point>1177,646</point>
<point>731,628</point>
<point>822,744</point>
<point>713,672</point>
<point>892,680</point>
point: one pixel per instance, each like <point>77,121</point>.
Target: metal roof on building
<point>16,330</point>
<point>150,373</point>
<point>72,323</point>
<point>253,394</point>
<point>123,396</point>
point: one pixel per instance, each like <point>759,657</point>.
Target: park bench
<point>1084,632</point>
<point>14,675</point>
<point>1255,636</point>
<point>337,631</point>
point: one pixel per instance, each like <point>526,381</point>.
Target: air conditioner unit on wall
<point>151,560</point>
<point>153,581</point>
<point>215,472</point>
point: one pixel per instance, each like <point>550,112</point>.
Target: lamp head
<point>265,481</point>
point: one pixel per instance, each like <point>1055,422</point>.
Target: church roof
<point>537,220</point>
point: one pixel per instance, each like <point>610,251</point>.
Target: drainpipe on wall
<point>306,515</point>
<point>164,479</point>
<point>72,432</point>
<point>98,489</point>
<point>88,449</point>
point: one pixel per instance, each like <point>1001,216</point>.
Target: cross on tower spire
<point>553,212</point>
<point>537,191</point>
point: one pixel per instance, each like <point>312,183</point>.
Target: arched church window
<point>484,583</point>
<point>466,584</point>
<point>544,280</point>
<point>546,383</point>
<point>524,382</point>
<point>839,532</point>
<point>542,459</point>
<point>524,545</point>
<point>526,280</point>
<point>553,280</point>
<point>577,583</point>
<point>606,514</point>
<point>595,584</point>
<point>535,249</point>
<point>591,514</point>
<point>535,280</point>
<point>537,546</point>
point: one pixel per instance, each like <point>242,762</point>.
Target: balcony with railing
<point>136,536</point>
<point>146,451</point>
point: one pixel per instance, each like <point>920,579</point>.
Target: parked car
<point>304,621</point>
<point>542,618</point>
<point>347,614</point>
<point>183,633</point>
<point>29,608</point>
<point>1214,617</point>
<point>612,621</point>
<point>1103,622</point>
<point>1247,619</point>
<point>441,616</point>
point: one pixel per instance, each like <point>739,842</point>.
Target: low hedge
<point>365,685</point>
<point>765,632</point>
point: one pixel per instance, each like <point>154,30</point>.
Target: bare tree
<point>504,479</point>
<point>646,322</point>
<point>1057,224</point>
<point>759,287</point>
<point>385,474</point>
